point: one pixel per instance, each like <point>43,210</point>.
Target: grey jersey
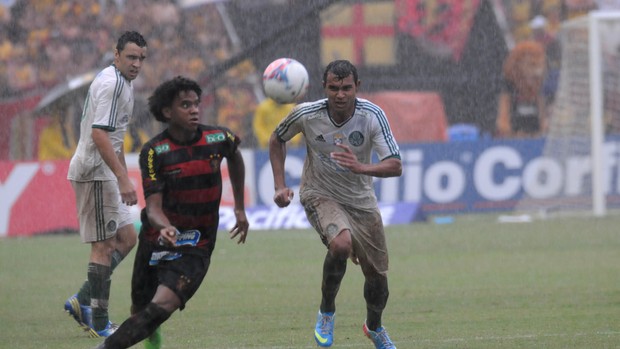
<point>108,106</point>
<point>366,131</point>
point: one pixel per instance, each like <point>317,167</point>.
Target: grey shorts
<point>329,218</point>
<point>100,210</point>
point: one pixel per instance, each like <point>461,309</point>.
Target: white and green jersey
<point>366,131</point>
<point>108,106</point>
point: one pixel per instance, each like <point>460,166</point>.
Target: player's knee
<point>126,238</point>
<point>341,245</point>
<point>102,250</point>
<point>155,315</point>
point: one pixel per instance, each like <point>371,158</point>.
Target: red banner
<point>361,32</point>
<point>441,26</point>
<point>38,198</point>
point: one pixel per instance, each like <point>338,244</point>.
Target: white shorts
<point>100,210</point>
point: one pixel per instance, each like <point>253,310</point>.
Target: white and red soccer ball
<point>285,80</point>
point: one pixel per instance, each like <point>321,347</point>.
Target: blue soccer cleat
<point>80,313</point>
<point>380,337</point>
<point>324,329</point>
<point>106,332</point>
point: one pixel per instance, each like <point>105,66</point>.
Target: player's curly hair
<point>341,68</point>
<point>166,92</point>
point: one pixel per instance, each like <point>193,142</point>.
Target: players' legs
<point>334,268</point>
<point>143,323</point>
<point>105,223</point>
<point>376,293</point>
<point>180,279</point>
<point>125,240</point>
<point>370,248</point>
<point>99,278</point>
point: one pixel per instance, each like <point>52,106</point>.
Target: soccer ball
<point>285,80</point>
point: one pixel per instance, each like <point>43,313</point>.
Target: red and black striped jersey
<point>189,178</point>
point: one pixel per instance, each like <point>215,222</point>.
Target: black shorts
<point>183,275</point>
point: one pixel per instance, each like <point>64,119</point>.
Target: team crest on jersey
<point>356,138</point>
<point>215,137</point>
<point>215,162</point>
<point>162,148</point>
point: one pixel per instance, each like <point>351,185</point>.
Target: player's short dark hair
<point>165,94</point>
<point>341,68</point>
<point>130,36</point>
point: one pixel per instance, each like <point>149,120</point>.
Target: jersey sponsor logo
<point>356,138</point>
<point>185,238</point>
<point>150,165</point>
<point>230,136</point>
<point>320,138</point>
<point>162,148</point>
<point>215,137</point>
<point>188,237</point>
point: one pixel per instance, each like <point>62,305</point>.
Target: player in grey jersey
<point>341,133</point>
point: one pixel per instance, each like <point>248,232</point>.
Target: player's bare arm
<point>159,220</point>
<point>391,167</point>
<point>277,154</point>
<point>105,148</point>
<point>236,170</point>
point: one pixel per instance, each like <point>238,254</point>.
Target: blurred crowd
<point>45,42</point>
<point>42,42</point>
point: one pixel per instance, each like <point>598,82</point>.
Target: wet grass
<point>475,283</point>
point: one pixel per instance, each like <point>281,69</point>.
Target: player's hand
<point>241,227</point>
<point>168,236</point>
<point>128,192</point>
<point>354,258</point>
<point>283,197</point>
<point>346,158</point>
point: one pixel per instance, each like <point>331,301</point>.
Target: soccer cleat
<point>154,340</point>
<point>106,332</point>
<point>324,329</point>
<point>80,313</point>
<point>380,337</point>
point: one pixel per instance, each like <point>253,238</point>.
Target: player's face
<point>129,60</point>
<point>184,114</point>
<point>340,95</point>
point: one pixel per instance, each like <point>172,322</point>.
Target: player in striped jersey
<point>341,132</point>
<point>181,177</point>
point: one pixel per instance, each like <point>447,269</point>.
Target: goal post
<point>584,118</point>
<point>596,71</point>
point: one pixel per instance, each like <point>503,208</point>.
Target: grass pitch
<point>475,283</point>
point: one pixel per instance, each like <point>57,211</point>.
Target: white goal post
<point>584,118</point>
<point>595,55</point>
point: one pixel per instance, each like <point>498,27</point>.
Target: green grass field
<point>475,283</point>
